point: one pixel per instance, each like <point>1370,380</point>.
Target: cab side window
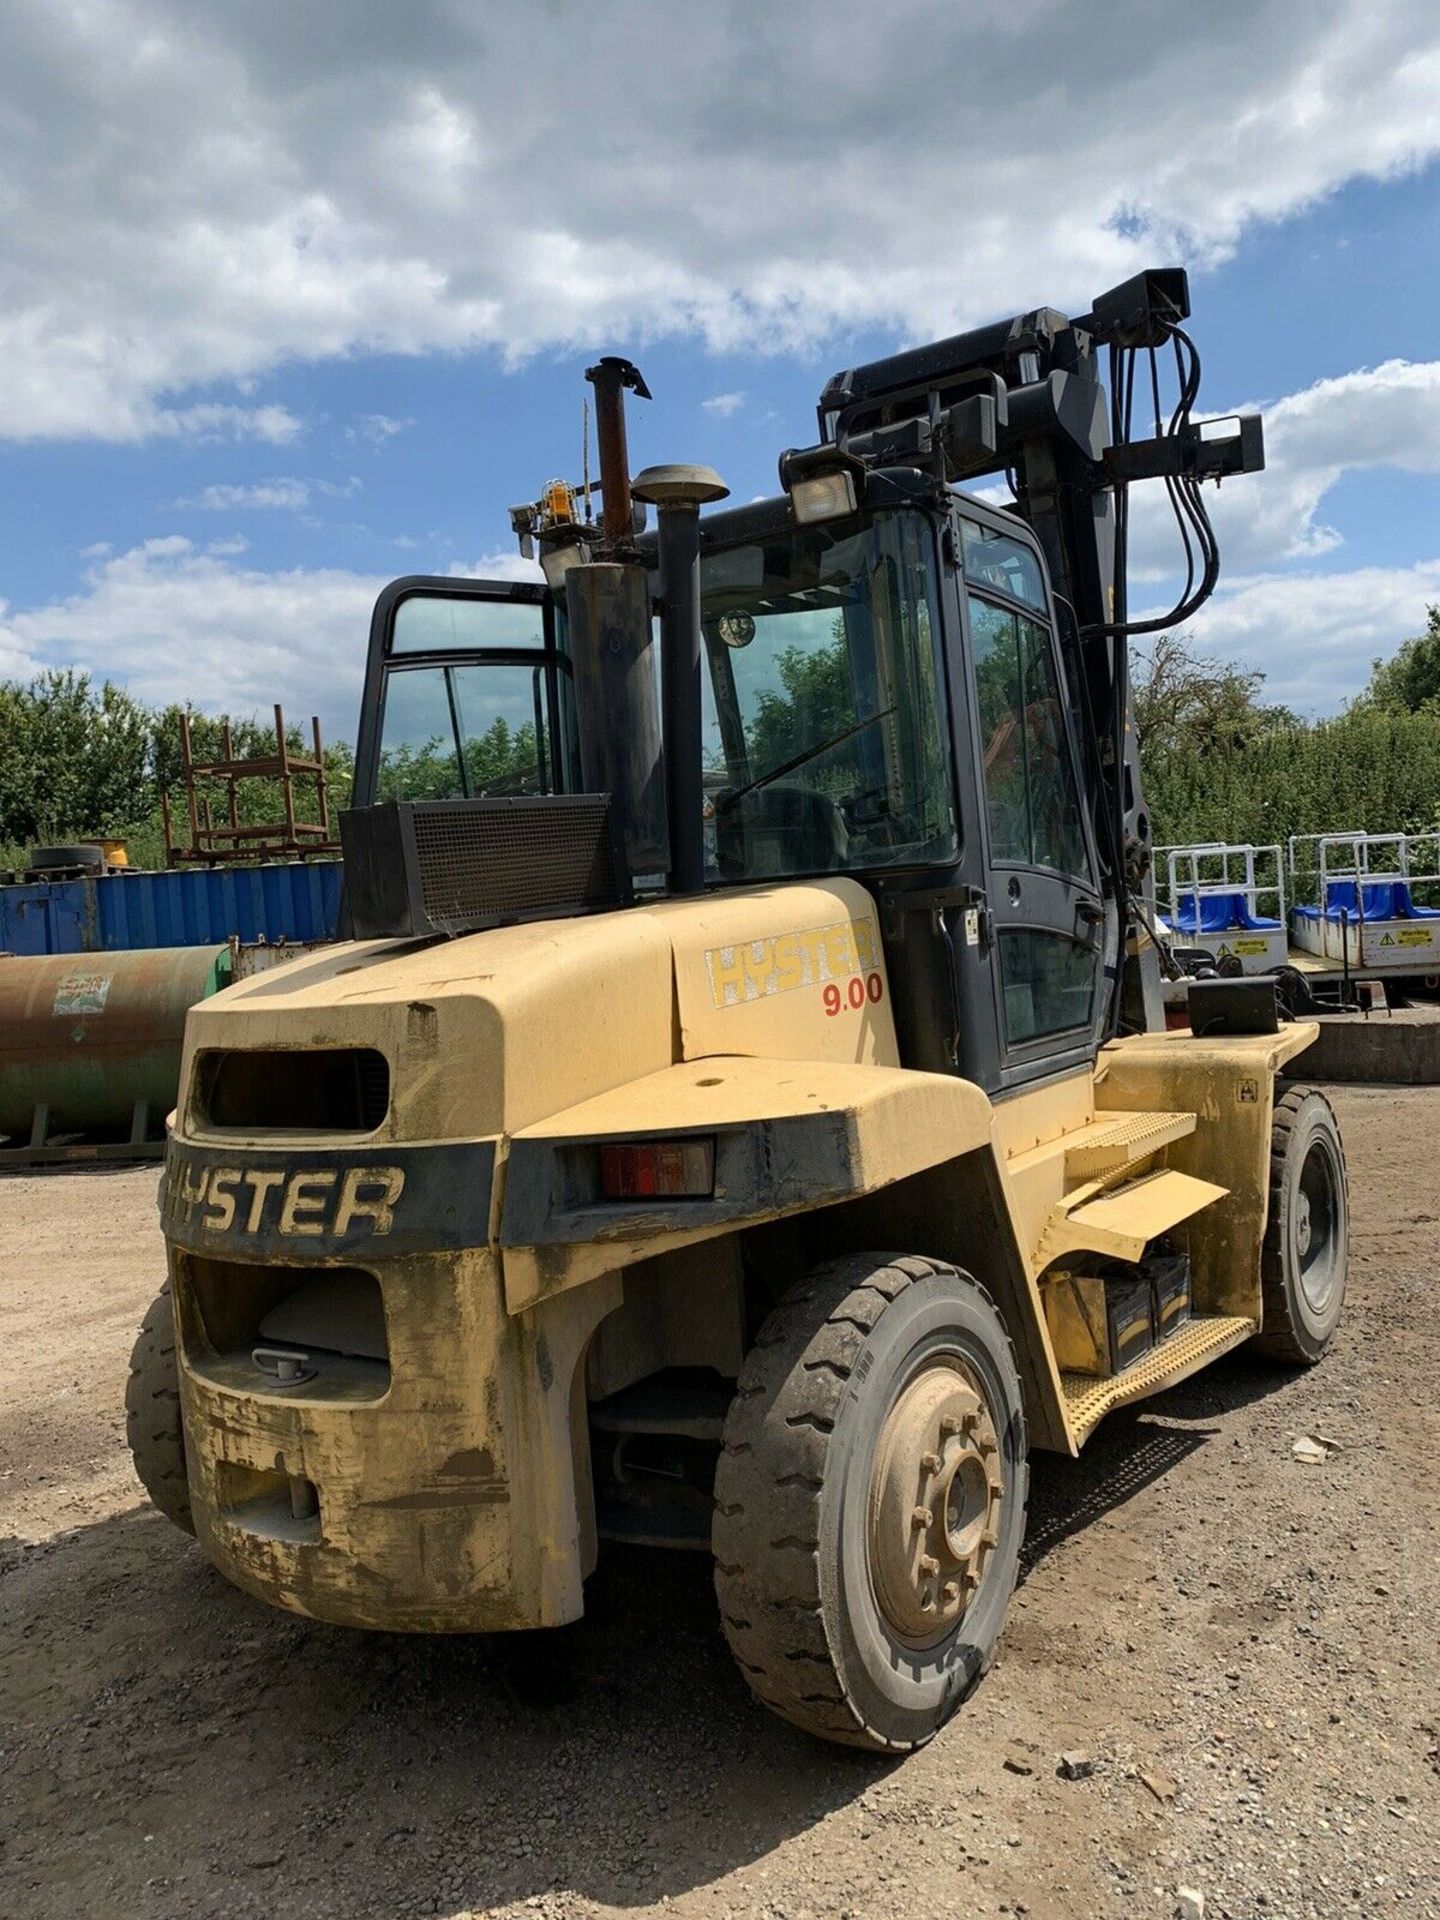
<point>1032,804</point>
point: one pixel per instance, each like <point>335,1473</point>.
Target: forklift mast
<point>1025,398</point>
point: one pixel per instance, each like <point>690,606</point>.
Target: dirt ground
<point>1254,1635</point>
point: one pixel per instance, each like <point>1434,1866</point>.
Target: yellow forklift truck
<point>743,1118</point>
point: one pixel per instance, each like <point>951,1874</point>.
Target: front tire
<point>870,1500</point>
<point>1306,1254</point>
<point>152,1414</point>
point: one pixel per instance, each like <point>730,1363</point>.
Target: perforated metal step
<point>1117,1140</point>
<point>1184,1352</point>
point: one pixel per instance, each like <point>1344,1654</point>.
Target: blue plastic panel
<point>186,907</point>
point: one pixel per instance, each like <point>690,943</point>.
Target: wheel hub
<point>935,1497</point>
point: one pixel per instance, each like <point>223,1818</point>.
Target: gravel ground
<point>1244,1646</point>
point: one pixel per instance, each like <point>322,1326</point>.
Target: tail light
<point>658,1170</point>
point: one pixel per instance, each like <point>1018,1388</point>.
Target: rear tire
<point>1306,1254</point>
<point>870,1500</point>
<point>152,1414</point>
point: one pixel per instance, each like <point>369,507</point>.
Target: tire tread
<point>152,1414</point>
<point>769,1484</point>
<point>1278,1339</point>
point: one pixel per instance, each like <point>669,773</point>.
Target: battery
<point>1100,1323</point>
<point>1169,1277</point>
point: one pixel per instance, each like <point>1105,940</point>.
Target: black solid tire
<point>42,859</point>
<point>152,1414</point>
<point>1305,1149</point>
<point>792,1487</point>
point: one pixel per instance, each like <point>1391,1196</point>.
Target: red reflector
<point>658,1170</point>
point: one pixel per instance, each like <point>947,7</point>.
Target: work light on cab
<point>658,1170</point>
<point>822,483</point>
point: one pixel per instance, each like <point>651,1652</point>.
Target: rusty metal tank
<point>89,1037</point>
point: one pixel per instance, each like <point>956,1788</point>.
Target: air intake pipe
<point>677,494</point>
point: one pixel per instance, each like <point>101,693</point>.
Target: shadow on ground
<point>180,1749</point>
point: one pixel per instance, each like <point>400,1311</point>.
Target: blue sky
<point>292,304</point>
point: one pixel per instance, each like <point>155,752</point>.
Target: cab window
<point>464,731</point>
<point>1002,563</point>
<point>825,738</point>
<point>1033,809</point>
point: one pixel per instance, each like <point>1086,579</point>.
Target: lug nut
<point>989,1538</point>
<point>921,1517</point>
<point>949,1424</point>
<point>931,1462</point>
<point>929,1565</point>
<point>950,1593</point>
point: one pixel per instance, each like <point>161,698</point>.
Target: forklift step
<point>1116,1140</point>
<point>1182,1353</point>
<point>1122,1222</point>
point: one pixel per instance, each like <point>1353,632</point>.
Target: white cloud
<point>1313,635</point>
<point>376,428</point>
<point>1385,416</point>
<point>276,426</point>
<point>193,196</point>
<point>284,491</point>
<point>224,498</point>
<point>173,621</point>
<point>723,404</point>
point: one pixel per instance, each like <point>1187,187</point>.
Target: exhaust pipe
<point>610,378</point>
<point>607,605</point>
<point>652,774</point>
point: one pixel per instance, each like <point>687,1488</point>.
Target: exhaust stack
<point>652,773</point>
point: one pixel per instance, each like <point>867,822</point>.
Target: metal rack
<point>237,840</point>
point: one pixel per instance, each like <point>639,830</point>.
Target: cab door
<point>1046,920</point>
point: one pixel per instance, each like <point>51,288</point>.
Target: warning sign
<point>1415,936</point>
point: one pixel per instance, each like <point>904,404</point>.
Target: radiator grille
<point>450,866</point>
<point>474,865</point>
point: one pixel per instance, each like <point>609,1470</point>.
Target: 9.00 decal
<point>859,989</point>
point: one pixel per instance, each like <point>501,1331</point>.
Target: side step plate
<point>1123,1222</point>
<point>1180,1354</point>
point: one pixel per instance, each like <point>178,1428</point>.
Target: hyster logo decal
<point>781,962</point>
<point>311,1203</point>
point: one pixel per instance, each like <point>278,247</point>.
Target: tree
<point>1410,682</point>
<point>74,760</point>
<point>1187,703</point>
<point>84,762</point>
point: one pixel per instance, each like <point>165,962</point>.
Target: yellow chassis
<point>452,1491</point>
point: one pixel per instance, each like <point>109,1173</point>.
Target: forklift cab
<point>883,696</point>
